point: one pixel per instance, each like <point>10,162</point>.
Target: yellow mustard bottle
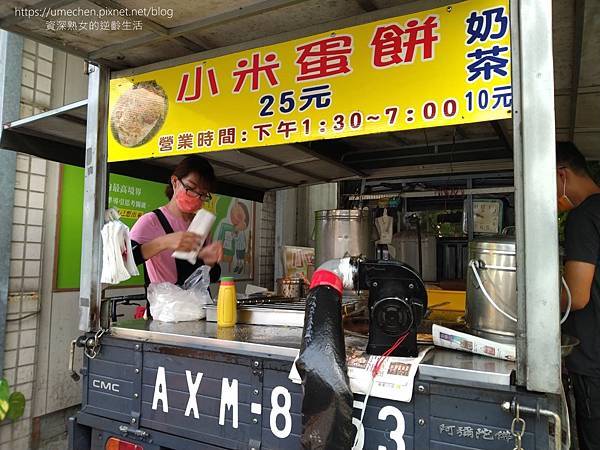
<point>226,303</point>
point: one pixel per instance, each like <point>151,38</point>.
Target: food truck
<point>357,95</point>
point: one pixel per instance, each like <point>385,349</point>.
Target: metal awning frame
<point>538,339</point>
<point>27,136</point>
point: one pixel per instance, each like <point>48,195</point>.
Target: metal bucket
<point>407,251</point>
<point>342,232</point>
<point>495,263</point>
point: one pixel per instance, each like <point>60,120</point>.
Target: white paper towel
<point>201,224</point>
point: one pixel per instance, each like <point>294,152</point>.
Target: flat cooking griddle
<point>268,310</point>
<point>266,300</point>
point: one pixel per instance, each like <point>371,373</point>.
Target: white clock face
<point>486,217</point>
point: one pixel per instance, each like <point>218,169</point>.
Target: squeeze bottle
<point>226,303</point>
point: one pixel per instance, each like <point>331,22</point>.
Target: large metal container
<point>340,232</point>
<point>496,259</point>
<point>407,251</point>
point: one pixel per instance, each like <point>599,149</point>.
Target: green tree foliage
<point>12,405</point>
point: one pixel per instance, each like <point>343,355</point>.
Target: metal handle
<point>483,265</point>
<point>506,268</point>
<point>133,431</point>
<point>474,264</point>
<point>515,408</point>
<point>74,375</point>
<point>505,230</point>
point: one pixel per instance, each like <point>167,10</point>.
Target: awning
<point>59,135</point>
<point>194,33</point>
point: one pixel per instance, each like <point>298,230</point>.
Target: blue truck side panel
<point>119,400</point>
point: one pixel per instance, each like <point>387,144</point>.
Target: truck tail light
<point>119,444</point>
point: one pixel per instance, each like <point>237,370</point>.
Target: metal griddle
<point>279,311</point>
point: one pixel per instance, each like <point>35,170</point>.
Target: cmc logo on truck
<point>106,385</point>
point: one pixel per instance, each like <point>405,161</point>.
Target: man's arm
<point>578,276</point>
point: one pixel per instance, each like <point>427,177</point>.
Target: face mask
<point>186,203</point>
<point>564,202</point>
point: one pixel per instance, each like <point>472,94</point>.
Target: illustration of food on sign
<point>139,113</point>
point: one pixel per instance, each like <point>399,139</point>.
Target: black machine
<point>397,305</point>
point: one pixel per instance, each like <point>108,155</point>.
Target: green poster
<point>132,197</point>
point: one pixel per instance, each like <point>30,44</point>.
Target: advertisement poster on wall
<point>234,227</point>
<point>132,198</point>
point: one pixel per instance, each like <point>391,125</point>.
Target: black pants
<point>587,405</point>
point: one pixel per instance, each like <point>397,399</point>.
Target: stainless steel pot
<point>407,251</point>
<point>291,287</point>
<point>494,260</point>
<point>341,232</point>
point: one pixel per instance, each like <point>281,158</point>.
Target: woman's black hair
<point>193,164</point>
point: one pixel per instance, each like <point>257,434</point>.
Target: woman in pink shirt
<point>157,234</point>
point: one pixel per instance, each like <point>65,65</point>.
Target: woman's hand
<point>211,254</point>
<point>184,241</point>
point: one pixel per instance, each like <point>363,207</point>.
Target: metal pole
<point>470,216</point>
<point>538,330</point>
<point>94,199</point>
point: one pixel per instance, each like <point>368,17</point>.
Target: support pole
<point>538,330</point>
<point>94,199</point>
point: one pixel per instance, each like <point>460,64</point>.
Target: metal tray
<point>282,314</point>
<point>265,299</point>
<point>286,313</point>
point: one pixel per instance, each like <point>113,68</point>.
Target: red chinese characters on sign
<point>324,58</point>
<point>253,70</point>
<point>393,45</point>
<point>286,128</point>
<point>263,130</point>
<point>182,93</point>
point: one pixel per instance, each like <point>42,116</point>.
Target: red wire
<point>387,353</point>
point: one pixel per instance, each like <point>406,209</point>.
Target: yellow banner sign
<point>445,66</point>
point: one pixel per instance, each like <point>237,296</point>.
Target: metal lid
<point>499,243</point>
<point>342,214</point>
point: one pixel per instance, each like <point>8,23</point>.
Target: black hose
<point>327,402</point>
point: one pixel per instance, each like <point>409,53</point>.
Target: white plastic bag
<point>117,258</point>
<point>171,303</point>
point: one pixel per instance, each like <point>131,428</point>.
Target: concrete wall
<point>265,243</point>
<point>285,225</point>
<point>69,83</point>
<point>26,253</point>
<point>54,389</point>
<point>40,322</point>
<point>295,216</point>
<point>24,293</point>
